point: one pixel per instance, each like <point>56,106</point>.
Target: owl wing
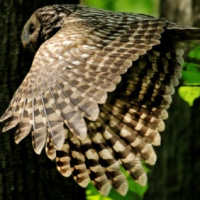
<point>128,124</point>
<point>72,72</point>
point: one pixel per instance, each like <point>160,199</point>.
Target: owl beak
<point>25,44</point>
<point>28,45</point>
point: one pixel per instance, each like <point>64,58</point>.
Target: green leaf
<point>191,73</point>
<point>195,52</point>
<point>189,94</point>
<point>191,68</point>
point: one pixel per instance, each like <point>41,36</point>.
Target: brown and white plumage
<point>98,90</point>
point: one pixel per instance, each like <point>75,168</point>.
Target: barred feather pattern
<point>98,91</point>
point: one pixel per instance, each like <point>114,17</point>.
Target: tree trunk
<point>176,173</point>
<point>23,174</point>
<point>177,11</point>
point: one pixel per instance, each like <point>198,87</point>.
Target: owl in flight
<point>98,90</point>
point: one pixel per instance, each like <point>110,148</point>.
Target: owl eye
<point>31,28</point>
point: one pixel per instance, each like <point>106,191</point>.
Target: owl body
<point>98,90</point>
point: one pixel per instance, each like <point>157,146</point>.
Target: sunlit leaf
<point>189,94</point>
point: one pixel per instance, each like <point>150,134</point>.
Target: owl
<point>98,90</point>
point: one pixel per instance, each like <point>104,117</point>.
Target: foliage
<point>191,76</point>
<point>189,93</point>
<point>142,6</point>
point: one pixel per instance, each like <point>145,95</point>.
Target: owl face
<point>31,34</point>
<point>43,24</point>
<point>38,29</point>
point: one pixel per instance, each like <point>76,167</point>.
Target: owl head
<point>43,24</point>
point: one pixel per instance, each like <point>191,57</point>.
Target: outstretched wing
<point>72,73</point>
<point>128,124</point>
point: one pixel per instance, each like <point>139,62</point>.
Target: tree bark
<point>23,174</point>
<point>177,11</point>
<point>196,13</point>
<point>175,175</point>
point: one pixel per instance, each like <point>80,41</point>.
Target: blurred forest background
<point>176,175</point>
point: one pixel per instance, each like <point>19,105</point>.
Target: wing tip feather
<point>142,180</point>
<point>123,189</point>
